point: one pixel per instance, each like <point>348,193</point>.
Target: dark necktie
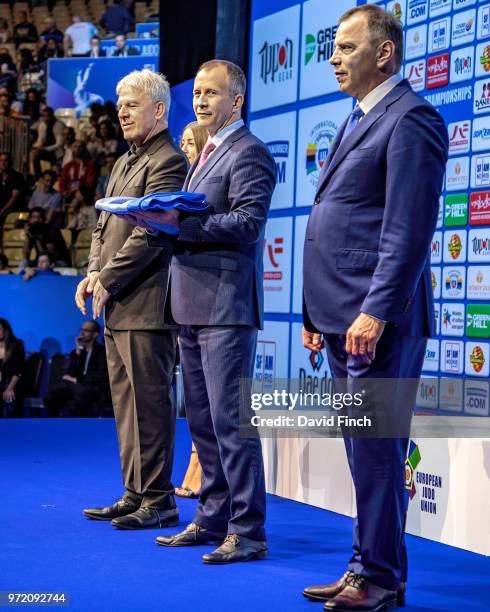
<point>353,120</point>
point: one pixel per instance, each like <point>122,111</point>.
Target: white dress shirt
<point>378,93</point>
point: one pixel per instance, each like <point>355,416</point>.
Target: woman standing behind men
<point>11,367</point>
<point>193,140</point>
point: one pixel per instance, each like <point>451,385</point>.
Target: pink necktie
<point>209,147</point>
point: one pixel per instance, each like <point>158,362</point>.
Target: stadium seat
<point>13,242</point>
<point>13,217</point>
<point>33,404</point>
<point>82,248</point>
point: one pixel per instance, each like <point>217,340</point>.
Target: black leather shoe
<point>361,595</point>
<point>328,591</point>
<point>193,535</point>
<point>148,518</point>
<point>237,548</point>
<point>121,507</point>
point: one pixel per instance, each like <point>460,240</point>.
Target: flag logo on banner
<point>413,460</point>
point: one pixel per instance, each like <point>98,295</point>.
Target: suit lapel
<point>340,149</point>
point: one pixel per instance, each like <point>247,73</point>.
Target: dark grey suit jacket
<point>217,271</point>
<point>135,274</point>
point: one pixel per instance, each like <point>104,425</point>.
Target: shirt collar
<point>223,134</point>
<point>140,151</point>
<point>378,93</point>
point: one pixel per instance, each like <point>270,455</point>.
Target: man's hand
<point>69,378</point>
<point>312,341</point>
<point>28,274</point>
<point>363,335</point>
<point>8,395</point>
<point>100,298</point>
<point>84,290</point>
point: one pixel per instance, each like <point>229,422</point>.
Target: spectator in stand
<point>105,139</point>
<point>78,36</point>
<point>42,238</point>
<point>49,143</point>
<point>12,186</point>
<point>51,32</point>
<point>122,48</point>
<point>24,31</point>
<point>80,172</point>
<point>116,19</point>
<point>85,213</point>
<point>46,197</point>
<point>50,50</point>
<point>68,140</point>
<point>86,380</point>
<point>4,264</point>
<point>8,79</point>
<point>4,104</point>
<point>105,172</point>
<point>44,267</point>
<point>32,104</point>
<point>12,358</point>
<point>95,48</point>
<point>6,58</point>
<point>5,35</point>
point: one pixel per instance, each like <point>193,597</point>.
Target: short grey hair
<point>236,76</point>
<point>153,85</point>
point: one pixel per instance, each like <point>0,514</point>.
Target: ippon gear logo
<point>321,46</point>
<point>320,141</point>
<point>276,61</point>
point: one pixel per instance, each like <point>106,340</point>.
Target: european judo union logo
<point>411,463</point>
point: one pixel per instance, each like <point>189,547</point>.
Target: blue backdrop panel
<point>148,30</point>
<point>146,47</point>
<point>42,312</point>
<point>79,82</point>
<point>181,112</point>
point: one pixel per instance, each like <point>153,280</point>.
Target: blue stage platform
<point>53,468</point>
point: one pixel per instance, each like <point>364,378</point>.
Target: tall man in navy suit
<point>217,298</point>
<point>367,287</point>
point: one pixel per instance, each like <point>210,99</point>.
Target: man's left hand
<point>100,297</point>
<point>69,378</point>
<point>363,335</point>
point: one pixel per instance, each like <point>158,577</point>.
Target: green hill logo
<point>310,47</point>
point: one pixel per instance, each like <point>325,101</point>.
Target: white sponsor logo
<point>436,248</point>
<point>459,136</point>
<point>481,96</point>
<point>480,171</point>
<point>451,394</point>
<point>480,138</point>
<point>452,320</point>
<point>439,7</point>
<point>454,246</point>
<point>462,64</point>
<point>431,360</point>
<point>439,34</point>
<point>476,395</point>
<point>277,264</point>
<point>478,283</point>
<point>427,393</point>
<point>477,359</point>
<point>417,10</point>
<point>458,173</point>
<point>415,42</point>
<point>452,356</point>
<point>415,73</point>
<point>484,22</point>
<point>464,28</point>
<point>479,245</point>
<point>453,282</point>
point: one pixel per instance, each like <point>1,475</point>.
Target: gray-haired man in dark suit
<point>217,298</point>
<point>130,279</point>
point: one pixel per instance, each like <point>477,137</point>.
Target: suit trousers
<point>140,365</point>
<point>377,465</point>
<point>213,360</point>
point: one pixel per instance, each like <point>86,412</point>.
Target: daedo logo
<point>276,61</point>
<point>480,208</point>
<point>459,136</point>
<point>415,73</point>
<point>438,70</point>
<point>320,46</point>
<point>279,150</point>
<point>481,97</point>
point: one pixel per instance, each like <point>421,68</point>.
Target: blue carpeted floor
<point>52,468</point>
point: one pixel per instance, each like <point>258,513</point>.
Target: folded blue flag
<point>154,202</point>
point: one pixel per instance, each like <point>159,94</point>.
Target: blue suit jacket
<point>368,235</point>
<point>217,270</point>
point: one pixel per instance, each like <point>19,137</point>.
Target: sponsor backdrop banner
<point>79,82</point>
<point>296,108</point>
<point>144,45</point>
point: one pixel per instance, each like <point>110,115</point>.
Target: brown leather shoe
<point>361,595</point>
<point>328,591</point>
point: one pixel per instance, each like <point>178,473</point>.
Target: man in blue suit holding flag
<point>367,289</point>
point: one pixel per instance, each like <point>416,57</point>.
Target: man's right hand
<point>312,341</point>
<point>84,290</point>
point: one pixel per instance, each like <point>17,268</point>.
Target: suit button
<point>101,241</point>
<point>317,200</point>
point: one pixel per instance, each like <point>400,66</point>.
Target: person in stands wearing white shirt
<point>78,36</point>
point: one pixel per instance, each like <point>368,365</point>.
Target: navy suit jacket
<point>217,269</point>
<point>368,236</point>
